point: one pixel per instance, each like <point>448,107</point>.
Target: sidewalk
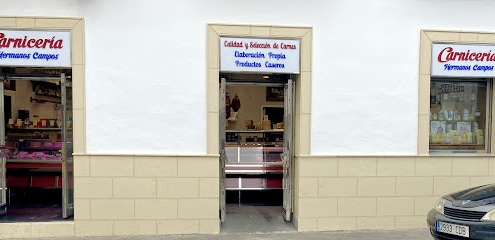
<point>412,234</point>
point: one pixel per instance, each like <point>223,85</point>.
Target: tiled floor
<point>255,219</point>
<point>253,211</point>
<point>34,213</point>
<point>38,205</point>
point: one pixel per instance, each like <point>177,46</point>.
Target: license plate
<point>454,229</point>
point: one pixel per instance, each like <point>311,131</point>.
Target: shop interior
<point>254,144</point>
<point>37,157</point>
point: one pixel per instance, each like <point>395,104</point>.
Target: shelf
<point>41,149</point>
<point>455,145</point>
<point>37,100</point>
<point>256,172</point>
<point>254,136</point>
<point>254,147</point>
<point>254,144</point>
<point>35,129</point>
<point>32,164</point>
<point>255,189</point>
<point>256,131</point>
<point>34,161</point>
<point>259,164</point>
<point>36,140</point>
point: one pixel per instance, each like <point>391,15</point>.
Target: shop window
<point>459,115</point>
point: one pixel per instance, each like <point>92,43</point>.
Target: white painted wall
<point>53,8</point>
<point>146,67</point>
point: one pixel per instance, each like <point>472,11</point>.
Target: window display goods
<point>458,115</point>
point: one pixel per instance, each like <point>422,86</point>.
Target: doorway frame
<point>76,26</point>
<point>303,83</point>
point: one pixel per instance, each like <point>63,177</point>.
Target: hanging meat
<point>236,103</point>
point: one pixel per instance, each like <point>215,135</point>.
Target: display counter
<point>254,160</point>
<point>34,157</point>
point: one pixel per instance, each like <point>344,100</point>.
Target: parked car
<point>467,214</point>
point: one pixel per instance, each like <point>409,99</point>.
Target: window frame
<point>427,38</point>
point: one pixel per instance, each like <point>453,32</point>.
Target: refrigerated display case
<point>253,160</point>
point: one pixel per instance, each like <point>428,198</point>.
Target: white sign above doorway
<point>259,55</point>
<point>35,48</point>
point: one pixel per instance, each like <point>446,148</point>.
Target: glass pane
<point>67,148</point>
<point>232,154</point>
<point>253,153</point>
<point>3,152</point>
<point>3,187</point>
<point>68,172</point>
<point>223,180</point>
<point>287,152</point>
<point>458,115</point>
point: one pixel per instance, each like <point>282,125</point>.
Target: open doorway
<point>256,149</point>
<point>37,169</point>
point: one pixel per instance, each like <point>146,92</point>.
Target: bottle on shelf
<point>69,122</point>
<point>457,117</point>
